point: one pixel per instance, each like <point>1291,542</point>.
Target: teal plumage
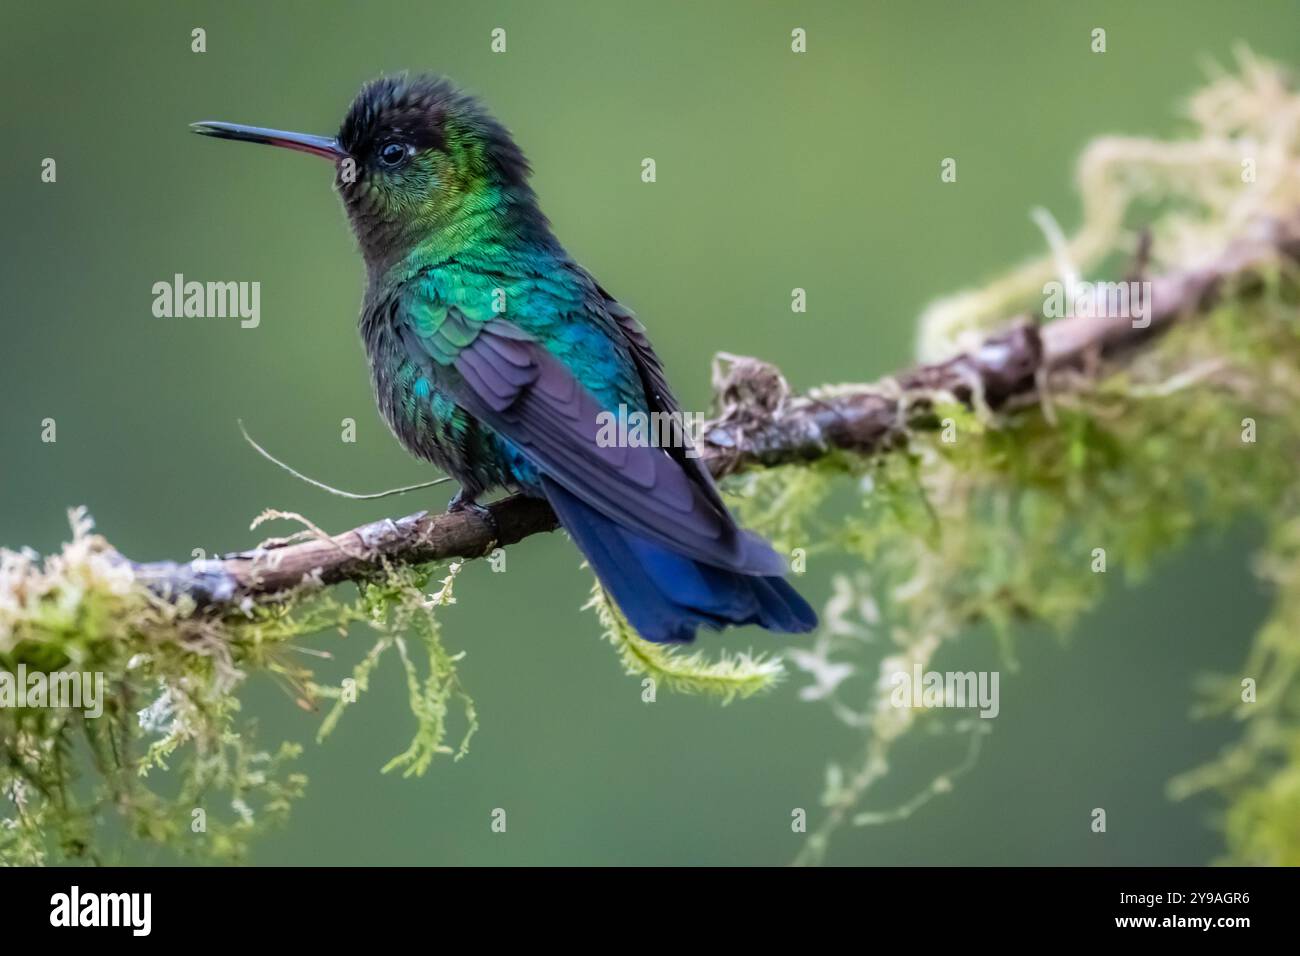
<point>493,355</point>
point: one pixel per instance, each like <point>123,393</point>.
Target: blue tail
<point>666,596</point>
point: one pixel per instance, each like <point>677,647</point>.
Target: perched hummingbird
<point>493,355</point>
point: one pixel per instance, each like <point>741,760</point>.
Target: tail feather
<point>666,596</point>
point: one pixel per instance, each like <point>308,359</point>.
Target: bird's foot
<point>466,502</point>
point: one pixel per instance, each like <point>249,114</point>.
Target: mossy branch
<point>760,423</point>
<point>1084,435</point>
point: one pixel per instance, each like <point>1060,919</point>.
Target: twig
<point>330,488</point>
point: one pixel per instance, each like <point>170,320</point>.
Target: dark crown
<point>429,112</point>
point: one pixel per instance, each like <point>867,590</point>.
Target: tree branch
<point>760,424</point>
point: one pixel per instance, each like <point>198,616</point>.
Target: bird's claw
<point>462,502</point>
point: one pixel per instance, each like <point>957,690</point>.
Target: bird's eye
<point>392,154</point>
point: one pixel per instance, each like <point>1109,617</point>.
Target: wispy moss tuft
<point>727,677</point>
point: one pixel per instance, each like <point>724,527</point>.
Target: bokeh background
<point>775,170</point>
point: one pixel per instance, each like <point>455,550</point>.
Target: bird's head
<point>419,164</point>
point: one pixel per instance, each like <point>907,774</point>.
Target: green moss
<point>171,761</point>
<point>1005,521</point>
<point>728,677</point>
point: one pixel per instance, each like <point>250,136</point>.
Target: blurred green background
<point>775,170</point>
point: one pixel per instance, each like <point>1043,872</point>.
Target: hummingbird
<point>498,358</point>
